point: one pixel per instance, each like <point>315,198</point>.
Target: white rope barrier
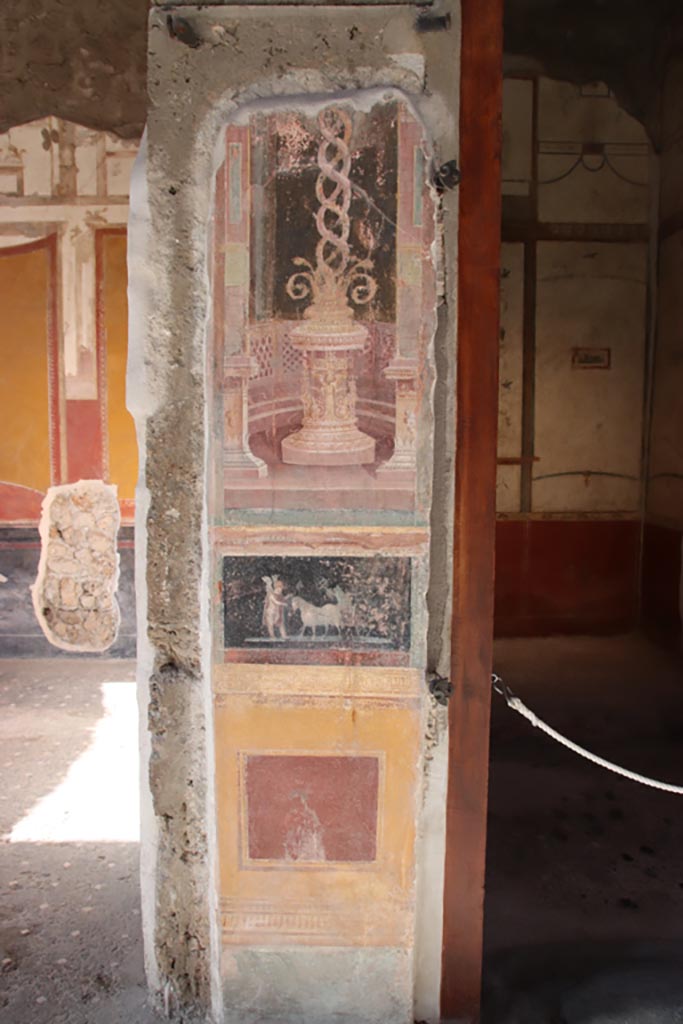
<point>520,707</point>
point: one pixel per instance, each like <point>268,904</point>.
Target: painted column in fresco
<point>411,252</point>
<point>238,365</point>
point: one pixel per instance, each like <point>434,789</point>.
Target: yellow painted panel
<point>24,297</point>
<point>337,903</point>
<point>123,452</point>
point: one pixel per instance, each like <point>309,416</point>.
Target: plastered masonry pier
<point>285,625</point>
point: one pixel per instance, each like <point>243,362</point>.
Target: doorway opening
<point>70,928</point>
<point>583,890</point>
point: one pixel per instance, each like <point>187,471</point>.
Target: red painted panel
<point>54,381</point>
<point>661,580</point>
<point>310,808</point>
<point>84,440</point>
<point>19,504</point>
<point>127,510</point>
<point>478,303</point>
<point>566,576</point>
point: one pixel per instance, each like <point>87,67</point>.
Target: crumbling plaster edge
<point>141,402</point>
<point>139,284</point>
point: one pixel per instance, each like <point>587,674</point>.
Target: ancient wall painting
<point>323,317</point>
<point>317,784</point>
<point>324,298</point>
<point>317,609</point>
<point>309,809</point>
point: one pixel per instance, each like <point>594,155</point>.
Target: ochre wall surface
<point>26,290</point>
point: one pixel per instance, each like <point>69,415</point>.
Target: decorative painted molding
<point>264,922</point>
<point>332,540</point>
<point>280,682</point>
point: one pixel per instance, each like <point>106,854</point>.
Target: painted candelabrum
<point>329,336</point>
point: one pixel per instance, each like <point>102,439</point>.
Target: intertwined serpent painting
<point>324,308</point>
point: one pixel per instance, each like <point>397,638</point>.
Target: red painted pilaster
<point>476,424</point>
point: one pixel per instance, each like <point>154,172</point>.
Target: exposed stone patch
<point>74,593</point>
<point>179,797</point>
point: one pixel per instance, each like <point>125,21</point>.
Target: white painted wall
<point>35,157</point>
<point>60,177</point>
<point>569,117</point>
<point>665,484</point>
<point>510,375</point>
<point>589,420</point>
<point>587,172</point>
<point>517,154</point>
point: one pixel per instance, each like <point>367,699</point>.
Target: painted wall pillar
<point>291,809</point>
<point>238,460</point>
<point>82,385</point>
<point>319,637</point>
<point>77,279</point>
<point>403,371</point>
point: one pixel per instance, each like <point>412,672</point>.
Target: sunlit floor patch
<point>98,799</point>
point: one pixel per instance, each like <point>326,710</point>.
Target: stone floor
<point>70,942</point>
<point>584,902</point>
<point>584,909</point>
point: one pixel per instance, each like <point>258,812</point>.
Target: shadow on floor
<point>70,928</point>
<point>589,983</point>
<point>584,896</point>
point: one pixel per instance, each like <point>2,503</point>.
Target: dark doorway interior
<point>584,891</point>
